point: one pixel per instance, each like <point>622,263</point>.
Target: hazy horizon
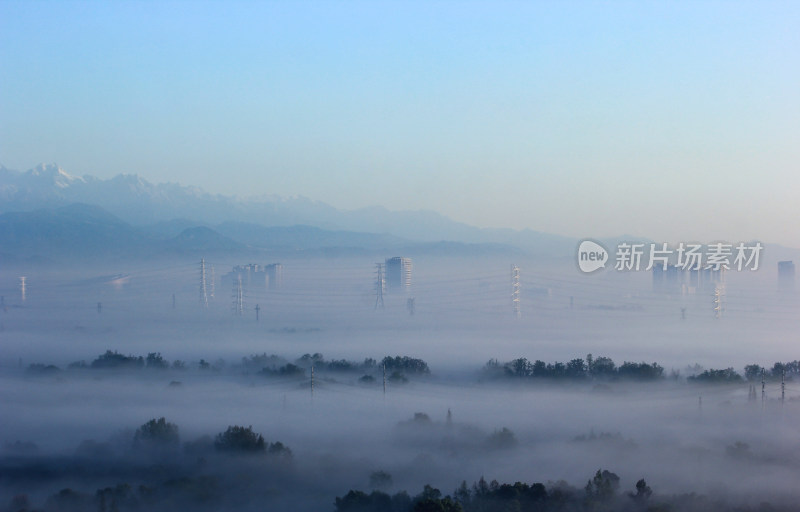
<point>584,119</point>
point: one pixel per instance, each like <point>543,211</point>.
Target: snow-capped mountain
<point>140,202</point>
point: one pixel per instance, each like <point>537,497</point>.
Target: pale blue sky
<point>673,120</point>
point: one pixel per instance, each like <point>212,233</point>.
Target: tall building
<point>677,280</point>
<point>786,275</point>
<point>398,273</point>
<point>274,275</point>
<point>255,276</point>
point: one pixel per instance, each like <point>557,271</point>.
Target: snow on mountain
<point>138,201</point>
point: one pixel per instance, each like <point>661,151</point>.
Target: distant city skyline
<point>673,121</point>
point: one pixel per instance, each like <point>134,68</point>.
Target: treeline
<point>604,368</point>
<point>396,367</point>
<point>576,369</point>
<point>601,494</point>
<point>159,438</point>
<point>399,367</point>
<point>161,473</point>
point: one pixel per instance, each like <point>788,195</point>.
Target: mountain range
<point>48,207</point>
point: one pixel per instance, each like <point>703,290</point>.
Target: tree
<point>366,379</point>
<point>717,376</point>
<point>154,360</point>
<point>640,371</point>
<point>156,434</point>
<point>643,491</point>
<point>279,449</point>
<point>406,364</point>
<point>501,439</point>
<point>752,372</point>
<point>380,480</point>
<point>576,369</point>
<point>238,439</point>
<point>116,360</point>
<point>539,369</point>
<point>519,367</point>
<point>603,486</point>
<point>603,367</point>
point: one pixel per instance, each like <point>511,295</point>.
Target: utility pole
<point>783,386</point>
<point>763,390</point>
<point>258,308</point>
<point>515,290</point>
<point>380,285</point>
<point>203,294</point>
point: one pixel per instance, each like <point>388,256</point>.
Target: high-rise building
<point>398,273</point>
<point>786,275</point>
<point>274,275</point>
<point>255,276</point>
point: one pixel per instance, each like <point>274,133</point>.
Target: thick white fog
<point>681,436</point>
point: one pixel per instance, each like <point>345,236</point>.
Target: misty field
<point>458,391</point>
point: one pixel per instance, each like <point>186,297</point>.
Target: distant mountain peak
<point>55,174</point>
<point>135,200</point>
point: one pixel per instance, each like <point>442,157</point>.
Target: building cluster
<point>256,276</point>
<point>679,280</point>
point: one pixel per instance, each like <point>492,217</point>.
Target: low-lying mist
<point>73,425</point>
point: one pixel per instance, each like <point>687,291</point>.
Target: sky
<point>671,120</point>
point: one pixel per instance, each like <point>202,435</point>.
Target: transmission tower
<point>380,285</point>
<point>203,294</point>
<point>718,300</point>
<point>238,297</point>
<point>22,287</point>
<point>211,284</point>
<point>515,290</point>
<point>719,295</point>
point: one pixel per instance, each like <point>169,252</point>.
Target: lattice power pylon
<point>203,291</point>
<point>238,297</point>
<point>515,291</point>
<point>380,285</point>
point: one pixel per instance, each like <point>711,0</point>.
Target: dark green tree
<point>156,434</point>
<point>238,439</point>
